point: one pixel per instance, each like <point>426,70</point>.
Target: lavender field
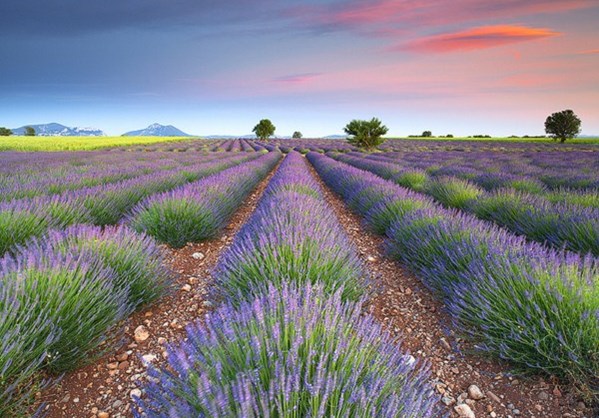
<point>96,245</point>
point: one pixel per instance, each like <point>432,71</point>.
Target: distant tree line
<point>429,134</point>
<point>29,131</point>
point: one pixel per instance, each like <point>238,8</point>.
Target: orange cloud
<point>477,38</point>
<point>589,52</point>
<point>377,16</point>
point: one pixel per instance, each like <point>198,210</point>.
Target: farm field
<point>515,139</point>
<point>78,143</point>
<point>299,278</point>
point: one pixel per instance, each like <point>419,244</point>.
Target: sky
<point>464,67</point>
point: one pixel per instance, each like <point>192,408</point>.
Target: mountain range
<point>56,129</point>
<point>157,129</point>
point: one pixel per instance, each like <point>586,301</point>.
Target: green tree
<point>366,133</point>
<point>427,134</point>
<point>562,125</point>
<point>297,135</point>
<point>264,129</point>
<point>29,131</point>
<point>5,131</point>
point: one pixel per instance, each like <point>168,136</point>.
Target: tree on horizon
<point>264,129</point>
<point>366,133</point>
<point>563,125</point>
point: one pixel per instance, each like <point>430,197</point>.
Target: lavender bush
<point>519,301</point>
<point>137,263</point>
<point>560,225</point>
<point>196,211</point>
<point>22,220</point>
<point>23,348</point>
<point>587,199</point>
<point>494,284</point>
<point>75,293</point>
<point>47,182</point>
<point>284,241</point>
<point>62,294</point>
<point>108,204</point>
<point>292,352</point>
<point>452,192</point>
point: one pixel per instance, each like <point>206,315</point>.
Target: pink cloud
<point>476,38</point>
<point>589,52</point>
<point>381,16</point>
<point>533,80</point>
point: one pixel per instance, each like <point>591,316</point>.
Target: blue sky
<point>462,67</point>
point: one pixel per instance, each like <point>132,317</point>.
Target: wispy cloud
<point>297,78</point>
<point>378,17</point>
<point>75,17</point>
<point>589,52</point>
<point>476,38</point>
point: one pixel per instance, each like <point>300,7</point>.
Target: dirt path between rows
<point>407,309</point>
<point>104,389</point>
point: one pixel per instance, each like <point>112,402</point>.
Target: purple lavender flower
<point>494,283</point>
<point>284,241</point>
<point>327,360</point>
<point>195,211</point>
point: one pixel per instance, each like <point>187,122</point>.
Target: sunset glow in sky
<point>464,67</point>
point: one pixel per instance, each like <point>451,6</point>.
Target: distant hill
<point>56,129</point>
<point>157,129</point>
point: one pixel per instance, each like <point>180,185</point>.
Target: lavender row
<point>196,211</point>
<point>291,352</point>
<point>530,172</point>
<point>55,164</point>
<point>50,182</point>
<point>559,225</point>
<point>100,205</point>
<point>517,300</point>
<point>478,145</point>
<point>285,241</point>
<point>306,145</point>
<point>546,178</point>
<point>291,341</point>
<point>61,298</point>
<point>15,162</point>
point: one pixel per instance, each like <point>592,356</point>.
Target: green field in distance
<point>78,143</point>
